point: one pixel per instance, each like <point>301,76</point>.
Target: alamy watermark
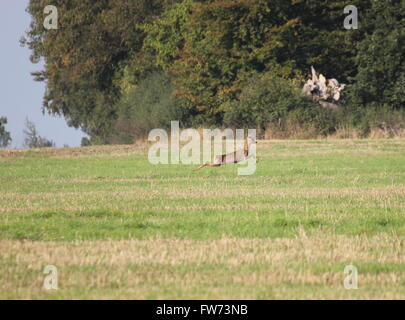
<point>51,19</point>
<point>51,278</point>
<point>352,278</point>
<point>352,20</point>
<point>238,147</point>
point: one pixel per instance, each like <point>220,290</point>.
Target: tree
<point>33,139</point>
<point>85,142</point>
<point>380,62</point>
<point>212,48</point>
<point>5,137</point>
<point>82,59</point>
<point>209,52</point>
<point>148,106</point>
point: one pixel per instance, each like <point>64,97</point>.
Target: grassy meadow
<point>118,227</point>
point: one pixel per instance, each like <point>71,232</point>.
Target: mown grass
<point>316,196</point>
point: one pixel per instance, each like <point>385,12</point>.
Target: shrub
<point>270,100</point>
<point>86,142</point>
<point>148,106</point>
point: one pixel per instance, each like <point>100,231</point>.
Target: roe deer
<point>233,157</point>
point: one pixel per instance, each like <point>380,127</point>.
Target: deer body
<point>233,157</point>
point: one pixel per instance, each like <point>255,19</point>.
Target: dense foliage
<point>146,106</point>
<point>118,68</point>
<point>380,56</point>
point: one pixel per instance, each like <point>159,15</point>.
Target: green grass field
<point>118,227</point>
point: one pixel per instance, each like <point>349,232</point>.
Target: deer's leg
<point>208,164</point>
<point>200,167</point>
<point>217,163</point>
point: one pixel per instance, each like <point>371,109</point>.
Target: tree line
<point>117,69</point>
<point>32,139</point>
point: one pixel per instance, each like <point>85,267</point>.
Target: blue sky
<point>20,95</point>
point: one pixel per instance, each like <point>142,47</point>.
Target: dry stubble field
<point>118,227</point>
